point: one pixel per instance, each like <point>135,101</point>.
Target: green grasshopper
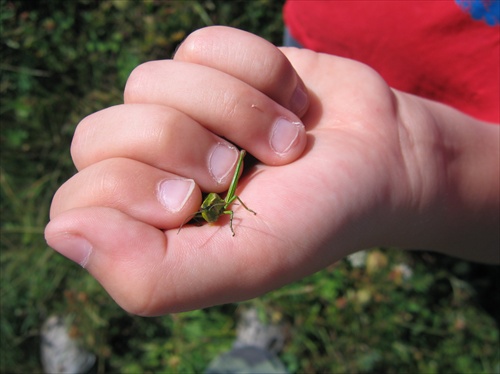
<point>214,206</point>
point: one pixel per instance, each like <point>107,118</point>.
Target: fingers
<point>140,165</point>
<point>150,134</point>
<point>234,52</point>
<point>233,106</point>
<point>223,104</point>
<point>148,194</point>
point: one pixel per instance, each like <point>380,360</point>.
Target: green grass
<point>61,60</point>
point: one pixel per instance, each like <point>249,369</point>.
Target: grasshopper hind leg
<point>244,206</point>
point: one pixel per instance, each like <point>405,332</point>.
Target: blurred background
<point>380,310</point>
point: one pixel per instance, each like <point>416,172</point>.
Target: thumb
<point>151,272</point>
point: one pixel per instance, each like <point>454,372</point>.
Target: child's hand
<point>349,183</point>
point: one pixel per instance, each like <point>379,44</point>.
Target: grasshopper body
<point>215,206</point>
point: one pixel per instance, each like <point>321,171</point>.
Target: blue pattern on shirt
<point>484,10</point>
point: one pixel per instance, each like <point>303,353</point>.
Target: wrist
<point>452,163</point>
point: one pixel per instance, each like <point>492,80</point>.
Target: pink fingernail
<point>284,135</point>
<point>221,161</point>
<point>299,100</point>
<point>173,193</point>
<point>73,247</point>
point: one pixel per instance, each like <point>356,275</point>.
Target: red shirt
<point>433,49</point>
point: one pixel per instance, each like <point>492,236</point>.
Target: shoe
<point>60,353</point>
<point>252,332</point>
<point>254,350</point>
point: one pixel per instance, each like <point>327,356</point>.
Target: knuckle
<point>78,143</point>
<point>190,46</point>
<point>137,78</point>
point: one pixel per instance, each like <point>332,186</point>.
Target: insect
<point>214,206</point>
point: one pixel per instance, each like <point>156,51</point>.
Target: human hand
<point>348,181</point>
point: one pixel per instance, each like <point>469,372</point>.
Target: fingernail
<point>173,193</point>
<point>73,247</point>
<point>299,100</point>
<point>284,135</point>
<point>221,161</point>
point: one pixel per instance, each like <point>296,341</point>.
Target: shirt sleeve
<point>440,50</point>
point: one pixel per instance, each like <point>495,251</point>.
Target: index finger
<point>223,104</point>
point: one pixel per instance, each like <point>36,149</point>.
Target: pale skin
<point>371,166</point>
